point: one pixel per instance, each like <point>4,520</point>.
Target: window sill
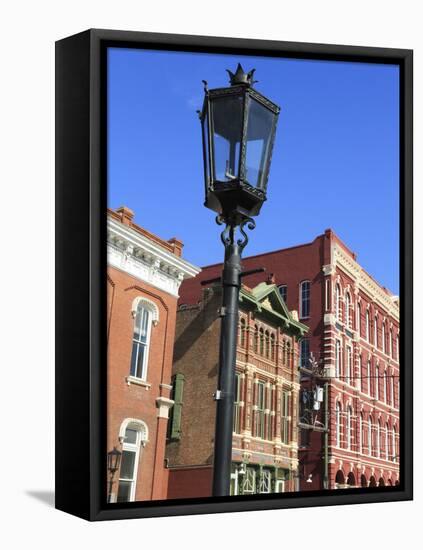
<point>137,381</point>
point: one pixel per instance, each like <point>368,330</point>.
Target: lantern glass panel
<point>206,148</point>
<point>227,132</point>
<point>260,130</point>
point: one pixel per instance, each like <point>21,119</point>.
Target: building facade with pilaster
<point>265,445</point>
<point>349,362</point>
<point>144,273</point>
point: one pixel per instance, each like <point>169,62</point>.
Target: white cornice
<point>145,259</point>
<point>364,282</point>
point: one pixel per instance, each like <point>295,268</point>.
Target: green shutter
<point>178,389</point>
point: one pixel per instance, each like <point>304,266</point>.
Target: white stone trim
<point>164,404</point>
<point>141,426</point>
<point>149,304</point>
<point>141,257</point>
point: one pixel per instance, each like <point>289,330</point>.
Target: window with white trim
<point>249,484</point>
<point>376,395</point>
<point>141,341</point>
<point>129,464</point>
<point>338,358</point>
<point>349,365</point>
<point>305,299</point>
<point>260,410</point>
<point>375,331</point>
<point>358,320</point>
<point>237,408</point>
<point>361,434</point>
<point>394,444</point>
<point>383,338</point>
<point>370,436</point>
<point>367,325</point>
<point>390,343</point>
<point>348,310</point>
<point>338,424</point>
<point>386,441</point>
<point>349,428</point>
<point>368,376</point>
<point>338,307</point>
<point>385,387</point>
<point>265,485</point>
<point>378,433</point>
<point>285,417</point>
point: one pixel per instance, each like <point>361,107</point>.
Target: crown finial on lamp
<point>240,77</point>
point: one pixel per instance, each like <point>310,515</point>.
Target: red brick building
<point>143,277</point>
<point>354,337</point>
<point>265,445</point>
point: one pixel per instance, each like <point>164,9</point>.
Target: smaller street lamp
<point>238,128</point>
<point>114,458</point>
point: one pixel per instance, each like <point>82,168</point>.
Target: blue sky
<point>335,161</point>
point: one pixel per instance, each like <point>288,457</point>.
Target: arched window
<point>305,353</point>
<point>360,372</point>
<point>261,341</point>
<point>305,299</point>
<point>394,444</point>
<point>385,387</point>
<point>272,347</point>
<point>370,436</point>
<point>386,441</point>
<point>361,434</point>
<point>375,331</point>
<point>358,321</point>
<point>390,343</point>
<point>378,434</point>
<point>392,401</point>
<point>256,339</point>
<point>349,365</point>
<point>338,302</point>
<point>368,376</point>
<point>348,310</point>
<point>397,348</point>
<point>383,338</point>
<point>267,344</point>
<point>367,325</point>
<point>338,424</point>
<point>376,395</point>
<point>349,428</point>
<point>242,332</point>
<point>338,357</point>
<point>134,434</point>
<point>144,315</point>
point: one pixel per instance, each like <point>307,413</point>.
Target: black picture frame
<point>81,259</point>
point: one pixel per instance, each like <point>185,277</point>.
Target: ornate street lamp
<point>114,458</point>
<point>238,128</point>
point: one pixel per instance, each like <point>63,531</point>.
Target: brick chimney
<point>177,245</point>
<point>126,215</point>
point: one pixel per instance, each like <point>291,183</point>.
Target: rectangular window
<point>285,417</point>
<point>283,290</point>
<point>265,481</point>
<point>337,358</point>
<point>237,409</point>
<point>349,365</point>
<point>305,299</point>
<point>140,342</point>
<point>305,353</point>
<point>249,485</point>
<point>260,410</point>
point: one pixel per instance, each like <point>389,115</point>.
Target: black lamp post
<point>113,464</point>
<point>238,127</point>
